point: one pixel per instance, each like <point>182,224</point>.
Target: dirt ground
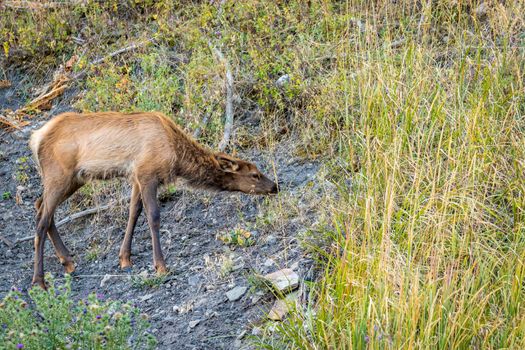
<point>189,309</point>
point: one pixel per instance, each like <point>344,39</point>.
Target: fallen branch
<point>60,83</point>
<point>6,241</point>
<point>70,218</point>
<point>6,123</point>
<point>131,47</point>
<point>228,123</point>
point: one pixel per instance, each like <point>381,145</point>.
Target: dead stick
<point>6,241</point>
<point>228,123</point>
<point>69,219</point>
<point>112,54</point>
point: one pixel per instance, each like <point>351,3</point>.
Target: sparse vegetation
<point>414,108</point>
<point>54,320</point>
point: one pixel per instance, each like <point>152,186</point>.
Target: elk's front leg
<point>149,198</point>
<point>135,208</point>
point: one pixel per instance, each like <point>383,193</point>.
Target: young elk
<point>148,149</point>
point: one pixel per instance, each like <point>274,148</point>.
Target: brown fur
<point>147,148</point>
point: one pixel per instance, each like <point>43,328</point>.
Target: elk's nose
<point>275,188</point>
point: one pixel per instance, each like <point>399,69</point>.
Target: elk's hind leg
<point>135,208</point>
<point>45,224</point>
<point>61,250</point>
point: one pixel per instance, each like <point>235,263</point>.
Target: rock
<point>271,240</point>
<point>194,323</point>
<point>242,334</point>
<point>281,307</point>
<point>146,297</point>
<point>283,280</point>
<point>257,331</point>
<point>481,10</point>
<point>193,280</point>
<point>143,274</point>
<point>105,280</point>
<point>268,262</point>
<point>236,293</point>
<point>295,266</point>
<point>283,80</point>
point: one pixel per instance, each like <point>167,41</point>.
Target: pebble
<point>8,254</point>
<point>105,280</point>
<point>281,307</point>
<point>271,239</point>
<point>283,80</point>
<point>146,297</point>
<point>283,280</point>
<point>193,280</point>
<point>236,293</point>
<point>194,323</point>
<point>268,262</point>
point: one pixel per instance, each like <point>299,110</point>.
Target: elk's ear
<point>227,164</point>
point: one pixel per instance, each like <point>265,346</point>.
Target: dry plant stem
<point>228,123</point>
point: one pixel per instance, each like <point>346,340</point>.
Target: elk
<point>148,149</point>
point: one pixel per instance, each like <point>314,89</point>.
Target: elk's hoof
<point>125,264</point>
<point>39,282</point>
<point>161,270</point>
<point>69,267</point>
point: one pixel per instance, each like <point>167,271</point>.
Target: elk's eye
<point>255,176</point>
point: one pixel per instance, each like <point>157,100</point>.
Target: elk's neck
<point>195,164</point>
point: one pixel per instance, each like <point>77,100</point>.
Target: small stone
<point>193,280</point>
<point>146,297</point>
<point>271,240</point>
<point>295,266</point>
<point>281,307</point>
<point>268,262</point>
<point>283,80</point>
<point>242,334</point>
<point>257,331</point>
<point>143,274</point>
<point>481,10</point>
<point>283,280</point>
<point>105,280</point>
<point>9,254</point>
<point>236,293</point>
<point>194,323</point>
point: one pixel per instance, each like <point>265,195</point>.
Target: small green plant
<point>93,253</point>
<point>53,320</point>
<point>146,281</point>
<point>6,195</point>
<point>21,175</point>
<point>237,237</point>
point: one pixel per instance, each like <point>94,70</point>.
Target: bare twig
<point>5,122</point>
<point>82,214</point>
<point>131,47</point>
<point>6,241</point>
<point>228,123</point>
<point>70,218</point>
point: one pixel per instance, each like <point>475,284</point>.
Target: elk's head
<point>240,175</point>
